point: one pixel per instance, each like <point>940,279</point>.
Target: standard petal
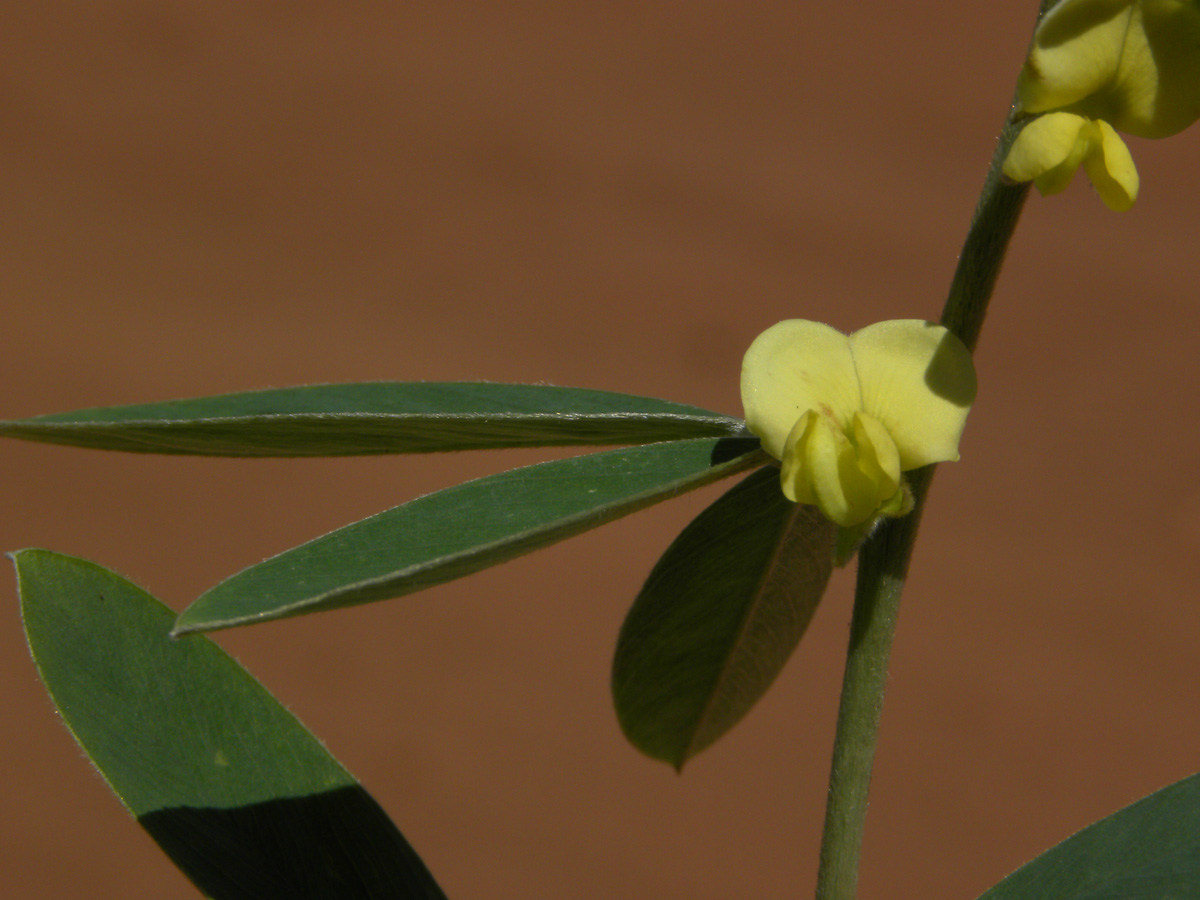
<point>1133,63</point>
<point>1156,89</point>
<point>1111,170</point>
<point>918,380</point>
<point>792,367</point>
<point>1047,149</point>
<point>1076,51</point>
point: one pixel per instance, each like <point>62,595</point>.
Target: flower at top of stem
<point>846,414</point>
<point>1097,67</point>
<point>1133,63</point>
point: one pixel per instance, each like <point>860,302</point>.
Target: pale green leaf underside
<point>233,788</point>
<point>374,418</point>
<point>1147,851</point>
<point>718,617</point>
<point>460,530</point>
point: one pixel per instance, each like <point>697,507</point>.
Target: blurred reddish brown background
<point>207,197</point>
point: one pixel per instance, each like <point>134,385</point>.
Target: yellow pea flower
<point>845,415</point>
<point>1133,63</point>
<point>1099,67</point>
<point>1051,147</point>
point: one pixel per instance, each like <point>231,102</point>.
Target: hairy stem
<point>883,560</point>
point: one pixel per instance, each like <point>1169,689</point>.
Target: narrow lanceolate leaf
<point>718,617</point>
<point>242,798</point>
<point>1147,851</point>
<point>378,417</point>
<point>460,530</point>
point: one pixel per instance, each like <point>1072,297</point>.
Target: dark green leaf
<point>463,529</point>
<point>378,417</point>
<point>1147,851</point>
<point>718,617</point>
<point>240,796</point>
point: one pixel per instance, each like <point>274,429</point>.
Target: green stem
<point>992,227</point>
<point>883,560</point>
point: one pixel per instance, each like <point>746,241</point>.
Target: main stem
<point>883,560</point>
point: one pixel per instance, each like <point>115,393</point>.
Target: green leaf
<point>718,617</point>
<point>377,417</point>
<point>235,790</point>
<point>455,532</point>
<point>1147,851</point>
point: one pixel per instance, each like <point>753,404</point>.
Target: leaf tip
<point>200,618</point>
<point>17,557</point>
<point>182,627</point>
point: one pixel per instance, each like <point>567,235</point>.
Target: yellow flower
<point>1133,63</point>
<point>1051,147</point>
<point>846,415</point>
<point>1099,67</point>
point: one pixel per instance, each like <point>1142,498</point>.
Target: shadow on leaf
<point>337,845</point>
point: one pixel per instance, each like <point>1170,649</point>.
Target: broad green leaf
<point>235,790</point>
<point>1147,851</point>
<point>718,617</point>
<point>377,417</point>
<point>460,530</point>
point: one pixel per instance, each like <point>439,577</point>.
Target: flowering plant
<point>834,455</point>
